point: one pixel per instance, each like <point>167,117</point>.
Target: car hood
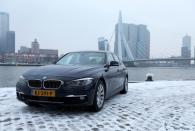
<point>70,71</point>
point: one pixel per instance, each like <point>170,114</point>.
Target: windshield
<point>83,58</point>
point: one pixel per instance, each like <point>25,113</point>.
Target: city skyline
<point>167,26</point>
<point>30,55</point>
<point>185,43</point>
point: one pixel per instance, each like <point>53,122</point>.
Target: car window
<point>116,58</point>
<point>110,58</point>
<point>83,58</point>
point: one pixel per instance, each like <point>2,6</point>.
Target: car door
<point>111,75</point>
<point>120,74</point>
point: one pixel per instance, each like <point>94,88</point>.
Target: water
<point>162,73</point>
<point>10,74</point>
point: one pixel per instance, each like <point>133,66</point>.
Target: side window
<point>116,58</point>
<point>110,57</point>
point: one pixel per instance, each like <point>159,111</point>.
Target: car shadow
<point>60,110</point>
<point>57,110</point>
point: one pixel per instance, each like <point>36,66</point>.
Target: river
<point>10,74</point>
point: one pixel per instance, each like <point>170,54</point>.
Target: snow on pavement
<point>152,106</point>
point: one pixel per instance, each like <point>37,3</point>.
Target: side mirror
<point>114,63</point>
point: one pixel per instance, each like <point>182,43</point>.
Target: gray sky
<point>69,25</point>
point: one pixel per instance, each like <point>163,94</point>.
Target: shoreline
<point>20,64</point>
<point>135,82</point>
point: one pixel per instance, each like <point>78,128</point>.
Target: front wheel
<point>125,86</point>
<point>99,97</point>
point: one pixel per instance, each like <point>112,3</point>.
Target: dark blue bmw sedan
<point>86,77</point>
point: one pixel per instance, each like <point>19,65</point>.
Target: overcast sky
<point>69,25</point>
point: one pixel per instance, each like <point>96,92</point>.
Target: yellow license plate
<point>48,93</point>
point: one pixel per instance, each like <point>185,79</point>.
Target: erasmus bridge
<point>123,45</point>
<point>122,41</point>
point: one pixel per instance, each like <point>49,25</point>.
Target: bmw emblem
<point>45,77</point>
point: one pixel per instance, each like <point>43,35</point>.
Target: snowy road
<point>148,106</point>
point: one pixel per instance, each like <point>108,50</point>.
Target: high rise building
<point>186,47</point>
<point>10,42</point>
<point>133,41</point>
<point>103,44</point>
<point>4,28</point>
<point>35,47</point>
<point>185,53</point>
<point>194,53</point>
<point>143,43</point>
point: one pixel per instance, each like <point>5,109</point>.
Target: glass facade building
<point>131,41</point>
<point>138,40</point>
<point>103,44</point>
<point>186,47</point>
<point>7,37</point>
<point>4,28</point>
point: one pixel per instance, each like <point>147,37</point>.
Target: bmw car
<point>78,78</point>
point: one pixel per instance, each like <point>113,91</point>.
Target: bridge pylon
<point>121,42</point>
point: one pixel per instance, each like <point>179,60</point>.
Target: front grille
<point>52,84</point>
<point>35,83</point>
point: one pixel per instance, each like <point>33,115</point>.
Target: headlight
<point>81,82</point>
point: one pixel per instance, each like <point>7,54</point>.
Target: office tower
<point>103,44</point>
<point>143,43</point>
<point>186,47</point>
<point>194,53</point>
<point>4,28</point>
<point>10,42</point>
<point>131,41</point>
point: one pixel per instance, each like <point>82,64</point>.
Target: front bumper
<point>64,95</point>
<point>69,100</point>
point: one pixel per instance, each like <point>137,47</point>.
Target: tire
<point>125,86</point>
<point>99,97</point>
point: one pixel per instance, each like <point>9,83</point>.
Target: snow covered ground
<point>152,106</point>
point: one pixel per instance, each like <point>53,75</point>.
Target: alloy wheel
<point>100,95</point>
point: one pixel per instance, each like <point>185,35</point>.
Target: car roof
<point>92,51</point>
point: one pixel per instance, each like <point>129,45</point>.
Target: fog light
<point>82,97</point>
